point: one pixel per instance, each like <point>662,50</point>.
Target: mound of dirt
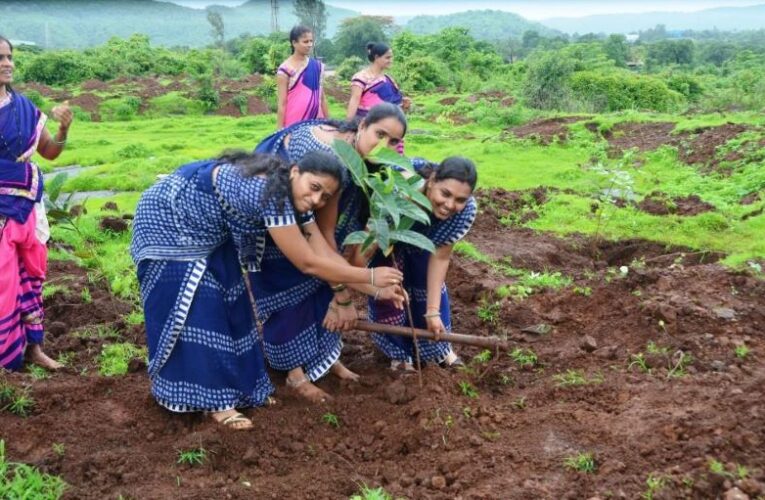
<point>643,136</point>
<point>702,148</point>
<point>448,101</point>
<point>246,83</point>
<point>91,85</point>
<point>547,130</point>
<point>88,102</point>
<point>658,203</point>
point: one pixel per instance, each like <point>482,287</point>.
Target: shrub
<point>545,86</point>
<point>349,67</point>
<point>616,91</point>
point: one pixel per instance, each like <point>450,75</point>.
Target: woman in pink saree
<point>298,82</point>
<point>372,86</point>
<point>23,226</point>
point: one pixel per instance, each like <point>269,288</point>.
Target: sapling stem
<point>411,324</point>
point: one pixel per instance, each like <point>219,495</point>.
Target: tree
<point>546,81</point>
<point>617,49</point>
<point>668,52</point>
<point>312,13</point>
<point>530,39</point>
<point>217,31</point>
<point>355,32</point>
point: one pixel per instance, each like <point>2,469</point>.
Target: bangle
<point>59,143</point>
<point>372,276</point>
<point>377,294</point>
<point>434,309</point>
<point>432,315</point>
<point>338,288</point>
<point>344,303</point>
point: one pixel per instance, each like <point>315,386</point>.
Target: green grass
<point>573,378</point>
<point>196,456</point>
<point>581,462</point>
<point>368,493</point>
<point>20,481</point>
<point>114,358</point>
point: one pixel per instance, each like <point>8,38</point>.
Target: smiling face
<point>311,191</point>
<point>447,196</point>
<point>389,131</point>
<point>384,61</point>
<point>6,65</point>
<point>304,44</point>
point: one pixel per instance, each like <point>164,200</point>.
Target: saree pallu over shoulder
<point>376,91</point>
<point>304,92</point>
<point>21,183</point>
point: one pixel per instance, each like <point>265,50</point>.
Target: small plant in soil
<point>331,420</point>
<point>87,298</point>
<point>467,412</point>
<point>65,358</point>
<point>97,332</point>
<point>526,358</point>
<point>196,456</point>
<point>59,449</point>
<point>742,472</point>
<point>115,358</point>
<point>38,372</point>
<point>681,361</point>
<point>134,317</point>
<point>19,481</point>
<point>467,389</point>
<point>638,360</point>
<point>369,493</point>
<point>520,402</point>
<point>581,462</point>
<point>717,467</point>
<point>488,312</point>
<point>483,357</point>
<point>16,401</point>
<point>742,351</point>
<point>52,290</point>
<point>583,290</point>
<point>653,483</point>
<point>576,378</point>
<point>653,348</point>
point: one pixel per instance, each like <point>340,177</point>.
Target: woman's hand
<point>406,103</point>
<point>385,276</point>
<point>395,294</point>
<point>346,317</point>
<point>436,326</point>
<point>63,114</point>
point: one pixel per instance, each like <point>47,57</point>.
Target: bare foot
<point>343,373</point>
<point>36,355</point>
<point>232,419</point>
<point>306,389</point>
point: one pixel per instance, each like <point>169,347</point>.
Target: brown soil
<point>643,136</point>
<point>548,130</point>
<point>448,101</point>
<point>750,199</point>
<point>339,91</point>
<point>658,204</point>
<point>91,85</point>
<point>434,442</point>
<point>88,102</point>
<point>247,83</point>
<point>702,149</point>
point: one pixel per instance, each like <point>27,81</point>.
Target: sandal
<point>451,361</point>
<point>398,365</point>
<point>232,420</point>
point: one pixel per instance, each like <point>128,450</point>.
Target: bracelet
<point>372,276</point>
<point>432,315</point>
<point>338,288</point>
<point>59,143</point>
<point>344,303</point>
<point>377,294</point>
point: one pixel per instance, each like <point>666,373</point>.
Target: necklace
<point>5,143</point>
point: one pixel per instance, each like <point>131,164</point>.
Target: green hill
<point>85,23</point>
<point>483,24</point>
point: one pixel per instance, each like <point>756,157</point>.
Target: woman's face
<point>311,191</point>
<point>6,64</point>
<point>447,196</point>
<point>304,44</point>
<point>384,61</point>
<point>388,131</point>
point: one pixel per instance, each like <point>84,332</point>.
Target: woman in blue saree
<point>193,232</point>
<point>23,225</point>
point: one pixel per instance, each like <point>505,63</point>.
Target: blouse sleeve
<point>358,80</point>
<point>455,227</point>
<point>276,214</point>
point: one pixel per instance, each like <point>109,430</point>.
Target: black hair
<point>296,32</point>
<point>377,113</point>
<point>376,49</point>
<point>454,167</point>
<point>10,45</point>
<point>277,171</point>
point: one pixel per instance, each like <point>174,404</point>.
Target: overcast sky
<point>530,9</point>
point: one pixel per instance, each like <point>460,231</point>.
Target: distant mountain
<point>722,18</point>
<point>85,23</point>
<point>483,24</point>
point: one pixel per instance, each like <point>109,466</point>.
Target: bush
<point>420,73</point>
<point>546,83</point>
<point>58,68</point>
<point>121,109</point>
<point>349,67</point>
<point>174,103</point>
<point>623,90</point>
<point>685,85</point>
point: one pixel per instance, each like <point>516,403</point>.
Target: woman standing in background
<point>298,82</point>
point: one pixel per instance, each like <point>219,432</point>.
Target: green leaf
<point>382,233</point>
<point>411,210</point>
<point>53,188</point>
<point>412,238</point>
<point>387,202</point>
<point>386,156</point>
<point>356,238</point>
<point>353,162</point>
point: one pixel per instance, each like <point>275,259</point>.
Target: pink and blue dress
<point>304,92</point>
<point>375,91</point>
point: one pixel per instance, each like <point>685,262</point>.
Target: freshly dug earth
<point>643,136</point>
<point>509,441</point>
<point>546,131</point>
<point>659,204</point>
